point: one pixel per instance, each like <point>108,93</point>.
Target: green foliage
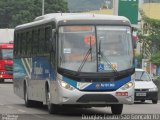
<point>155,59</point>
<point>139,58</point>
<point>15,12</point>
<point>145,43</point>
<point>158,78</point>
<point>151,39</point>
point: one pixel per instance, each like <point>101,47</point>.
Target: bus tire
<point>117,109</point>
<point>52,109</point>
<point>28,103</point>
<point>142,101</point>
<point>1,80</point>
<point>155,101</point>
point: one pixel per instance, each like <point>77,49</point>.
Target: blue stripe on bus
<point>99,85</point>
<point>70,81</point>
<point>19,72</point>
<point>108,85</point>
<point>36,68</point>
<point>42,69</point>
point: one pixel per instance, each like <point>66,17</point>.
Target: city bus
<point>75,59</point>
<point>6,61</point>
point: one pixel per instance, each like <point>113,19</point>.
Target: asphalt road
<point>13,108</point>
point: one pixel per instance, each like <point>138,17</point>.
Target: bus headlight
<point>66,85</point>
<point>127,85</point>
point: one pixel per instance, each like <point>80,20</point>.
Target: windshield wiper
<point>142,74</point>
<point>86,57</point>
<point>138,80</point>
<point>100,55</point>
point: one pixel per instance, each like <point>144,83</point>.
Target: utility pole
<point>42,7</point>
<point>115,7</point>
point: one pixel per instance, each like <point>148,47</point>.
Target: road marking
<point>38,116</point>
<point>10,107</point>
<point>20,110</point>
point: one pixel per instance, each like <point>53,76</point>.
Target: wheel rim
<point>48,100</point>
<point>26,96</point>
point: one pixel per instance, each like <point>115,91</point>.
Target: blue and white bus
<point>75,59</point>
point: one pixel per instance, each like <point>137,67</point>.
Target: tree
<point>155,59</point>
<point>151,39</point>
<point>15,12</point>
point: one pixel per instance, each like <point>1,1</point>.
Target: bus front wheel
<point>52,109</point>
<point>117,108</point>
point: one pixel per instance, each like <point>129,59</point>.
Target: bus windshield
<point>79,48</point>
<point>7,54</point>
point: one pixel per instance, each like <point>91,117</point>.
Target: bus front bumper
<point>75,96</point>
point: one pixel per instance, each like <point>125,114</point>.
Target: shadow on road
<point>7,83</point>
<point>72,111</point>
<point>83,111</point>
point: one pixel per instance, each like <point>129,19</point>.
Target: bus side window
<point>38,41</point>
<point>34,43</point>
<point>23,43</point>
<point>41,41</point>
<point>29,43</point>
<point>48,32</point>
<point>20,44</point>
<point>32,49</point>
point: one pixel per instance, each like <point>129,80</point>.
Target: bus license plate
<point>140,94</point>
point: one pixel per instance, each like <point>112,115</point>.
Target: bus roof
<point>82,16</point>
<point>65,17</point>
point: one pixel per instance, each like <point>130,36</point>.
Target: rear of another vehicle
<point>145,89</point>
<point>6,61</point>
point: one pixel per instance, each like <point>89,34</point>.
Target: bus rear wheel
<point>52,109</point>
<point>28,103</point>
<point>117,109</point>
